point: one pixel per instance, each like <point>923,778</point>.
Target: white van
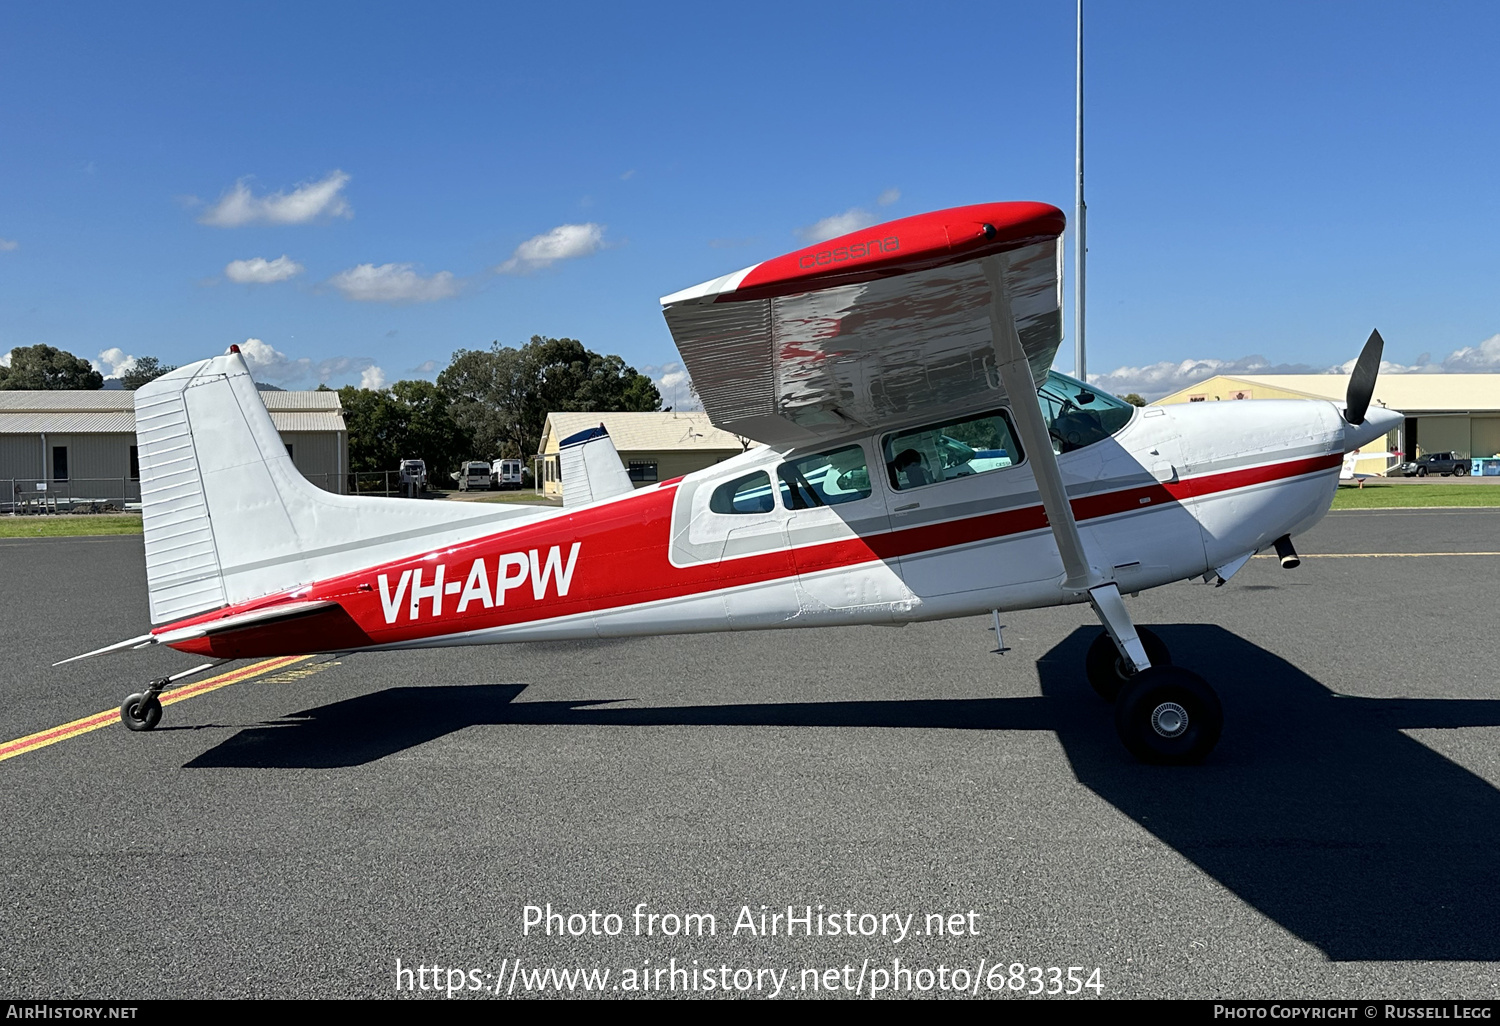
<point>506,474</point>
<point>473,476</point>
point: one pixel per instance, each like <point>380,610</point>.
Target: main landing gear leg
<point>1163,713</point>
<point>142,710</point>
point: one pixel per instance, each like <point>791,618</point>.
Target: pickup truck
<point>1443,463</point>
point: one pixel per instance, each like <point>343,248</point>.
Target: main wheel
<point>1169,716</point>
<point>1106,668</point>
<point>139,712</point>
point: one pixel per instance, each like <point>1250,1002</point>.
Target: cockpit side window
<point>952,449</point>
<point>748,494</point>
<point>826,479</point>
<point>1077,415</point>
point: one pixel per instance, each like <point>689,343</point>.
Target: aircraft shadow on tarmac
<point>1315,809</point>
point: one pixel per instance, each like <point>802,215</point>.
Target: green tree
<point>1134,399</point>
<point>409,420</point>
<point>43,367</point>
<point>147,368</point>
<point>502,395</point>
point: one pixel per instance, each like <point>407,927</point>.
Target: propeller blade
<point>1362,381</point>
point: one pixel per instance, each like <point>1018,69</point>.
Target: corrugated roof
<point>33,422</point>
<point>300,421</point>
<point>119,399</point>
<point>122,422</point>
<point>645,432</point>
<point>1406,392</point>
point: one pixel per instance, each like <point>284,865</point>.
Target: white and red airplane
<point>919,461</point>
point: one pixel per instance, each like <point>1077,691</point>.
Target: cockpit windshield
<point>1078,415</point>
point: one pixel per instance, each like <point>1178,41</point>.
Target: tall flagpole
<point>1080,219</point>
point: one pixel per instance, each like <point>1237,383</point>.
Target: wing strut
<point>1015,375</point>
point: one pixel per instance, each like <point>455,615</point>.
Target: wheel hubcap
<point>1169,719</point>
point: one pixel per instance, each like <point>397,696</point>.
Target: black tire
<point>1421,471</point>
<point>1106,669</point>
<point>1460,471</point>
<point>139,712</point>
<point>1169,716</point>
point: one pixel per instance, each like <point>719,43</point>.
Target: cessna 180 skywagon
<point>918,461</point>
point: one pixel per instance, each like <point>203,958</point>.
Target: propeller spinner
<point>1362,381</point>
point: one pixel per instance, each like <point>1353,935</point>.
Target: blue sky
<point>365,188</point>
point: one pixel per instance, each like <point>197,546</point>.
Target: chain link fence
<point>28,496</point>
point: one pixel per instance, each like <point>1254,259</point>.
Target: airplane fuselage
<point>1175,493</point>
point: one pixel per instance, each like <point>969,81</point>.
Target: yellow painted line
<point>42,739</point>
<point>1374,555</point>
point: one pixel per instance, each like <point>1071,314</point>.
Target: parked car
<point>472,476</point>
<point>413,473</point>
<point>1407,469</point>
<point>1443,463</point>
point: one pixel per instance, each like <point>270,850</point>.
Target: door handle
<point>909,505</point>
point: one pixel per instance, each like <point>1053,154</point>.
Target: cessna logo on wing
<point>870,247</point>
<point>512,570</point>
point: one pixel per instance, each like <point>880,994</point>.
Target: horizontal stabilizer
<point>256,617</point>
<point>144,639</point>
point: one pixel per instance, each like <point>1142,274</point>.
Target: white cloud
<point>260,271</point>
<point>888,197</point>
<point>6,245</point>
<point>372,377</point>
<point>1483,357</point>
<point>393,283</point>
<point>676,388</point>
<point>1158,379</point>
<point>307,202</point>
<point>565,242</point>
<point>114,363</point>
<point>5,360</point>
<point>851,220</point>
<point>274,367</point>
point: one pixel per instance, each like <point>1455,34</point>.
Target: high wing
<point>873,328</point>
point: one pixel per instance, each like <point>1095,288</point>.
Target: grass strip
<point>1384,496</point>
<point>66,525</point>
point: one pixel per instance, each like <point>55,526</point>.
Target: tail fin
<point>591,468</point>
<point>227,516</point>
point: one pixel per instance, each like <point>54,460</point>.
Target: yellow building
<point>1458,413</point>
<point>653,446</point>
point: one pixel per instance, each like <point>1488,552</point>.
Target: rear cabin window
<point>748,494</point>
<point>954,449</point>
<point>826,479</point>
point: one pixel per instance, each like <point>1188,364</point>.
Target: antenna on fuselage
<point>1080,217</point>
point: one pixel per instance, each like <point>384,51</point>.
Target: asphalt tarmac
<point>298,832</point>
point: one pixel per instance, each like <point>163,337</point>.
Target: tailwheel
<point>1169,716</point>
<point>1106,668</point>
<point>140,711</point>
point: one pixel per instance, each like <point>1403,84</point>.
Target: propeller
<point>1362,381</point>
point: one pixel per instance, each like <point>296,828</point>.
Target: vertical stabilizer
<point>591,468</point>
<point>228,518</point>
